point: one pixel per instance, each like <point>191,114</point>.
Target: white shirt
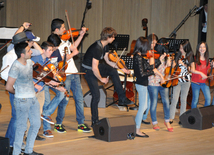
<point>7,59</point>
<point>71,65</point>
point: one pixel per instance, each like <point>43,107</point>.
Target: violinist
<point>72,81</point>
<point>142,69</point>
<point>20,83</point>
<point>100,71</point>
<point>44,96</point>
<point>152,38</point>
<point>182,89</point>
<point>154,88</point>
<point>199,74</point>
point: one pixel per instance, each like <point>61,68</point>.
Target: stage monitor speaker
<point>103,97</point>
<point>115,129</point>
<point>4,146</point>
<point>198,118</point>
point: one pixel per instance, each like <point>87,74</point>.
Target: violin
<point>63,65</point>
<point>151,54</point>
<point>40,74</point>
<point>51,68</point>
<point>210,79</point>
<point>114,58</point>
<point>75,33</point>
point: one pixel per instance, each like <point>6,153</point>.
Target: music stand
<point>174,44</point>
<point>121,41</point>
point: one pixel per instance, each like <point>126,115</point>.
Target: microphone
<point>88,4</point>
<point>198,9</point>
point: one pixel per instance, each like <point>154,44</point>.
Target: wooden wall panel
<point>167,15</point>
<point>210,28</point>
<point>123,15</point>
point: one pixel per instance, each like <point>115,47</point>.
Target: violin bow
<point>4,68</point>
<point>69,26</point>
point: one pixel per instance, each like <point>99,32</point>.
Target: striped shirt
<point>185,75</point>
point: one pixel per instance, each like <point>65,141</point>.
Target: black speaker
<point>102,103</point>
<point>198,118</point>
<point>4,146</point>
<point>115,129</point>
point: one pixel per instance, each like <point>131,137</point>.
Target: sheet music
<point>7,33</point>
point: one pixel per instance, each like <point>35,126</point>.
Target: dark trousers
<point>105,70</point>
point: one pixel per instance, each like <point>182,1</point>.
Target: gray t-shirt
<point>24,87</point>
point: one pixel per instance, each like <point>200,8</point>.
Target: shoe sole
<point>59,131</point>
<point>79,130</point>
<point>47,120</point>
<point>48,136</point>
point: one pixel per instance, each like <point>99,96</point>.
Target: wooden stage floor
<point>181,141</point>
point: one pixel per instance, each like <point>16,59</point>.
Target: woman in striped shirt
<point>184,80</point>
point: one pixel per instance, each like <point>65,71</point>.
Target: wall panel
<point>210,28</point>
<point>123,15</point>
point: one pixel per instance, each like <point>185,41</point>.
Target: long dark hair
<point>206,54</point>
<point>142,45</point>
<point>188,50</point>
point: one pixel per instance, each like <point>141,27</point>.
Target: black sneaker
<point>59,128</point>
<point>11,151</point>
<point>33,153</point>
<point>124,102</point>
<point>83,128</point>
<point>40,138</point>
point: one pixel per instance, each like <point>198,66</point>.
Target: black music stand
<point>174,44</point>
<point>121,41</point>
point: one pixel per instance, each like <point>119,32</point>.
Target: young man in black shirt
<point>99,71</point>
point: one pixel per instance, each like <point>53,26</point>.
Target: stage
<point>181,141</point>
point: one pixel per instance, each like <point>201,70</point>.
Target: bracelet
<point>22,26</point>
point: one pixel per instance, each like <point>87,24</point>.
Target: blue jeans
<point>195,94</point>
<point>12,125</point>
<point>164,93</point>
<point>72,83</point>
<point>51,105</point>
<point>26,108</point>
<point>143,102</point>
<point>145,114</point>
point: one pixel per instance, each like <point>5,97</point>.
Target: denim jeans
<point>26,108</point>
<point>183,89</point>
<point>105,70</point>
<point>50,105</point>
<point>164,93</point>
<point>145,114</point>
<point>72,83</point>
<point>12,125</point>
<point>143,102</point>
<point>195,94</point>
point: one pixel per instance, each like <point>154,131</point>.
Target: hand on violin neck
<point>82,33</point>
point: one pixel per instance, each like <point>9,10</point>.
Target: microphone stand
<point>87,7</point>
<point>173,34</point>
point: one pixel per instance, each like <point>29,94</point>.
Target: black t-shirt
<point>96,51</point>
<point>57,54</point>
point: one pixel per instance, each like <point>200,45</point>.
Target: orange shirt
<point>202,68</point>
